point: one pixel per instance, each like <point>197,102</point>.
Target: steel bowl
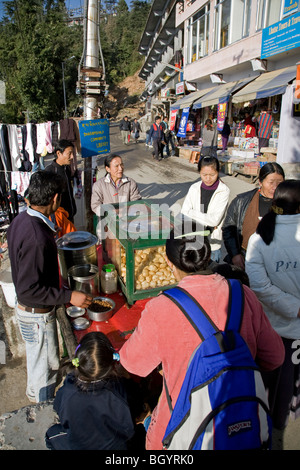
<point>80,323</point>
<point>104,315</point>
<point>75,312</point>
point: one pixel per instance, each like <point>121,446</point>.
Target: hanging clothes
<point>41,139</point>
<point>5,154</point>
<point>55,132</point>
<point>20,181</point>
<point>67,129</point>
<point>15,152</point>
<point>49,144</point>
<point>29,145</point>
<point>26,165</point>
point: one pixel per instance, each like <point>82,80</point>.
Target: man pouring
<point>35,274</point>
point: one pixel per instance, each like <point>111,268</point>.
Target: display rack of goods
<point>135,240</point>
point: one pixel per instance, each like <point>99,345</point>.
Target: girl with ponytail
<point>93,403</point>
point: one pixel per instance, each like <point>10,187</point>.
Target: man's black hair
<point>43,186</point>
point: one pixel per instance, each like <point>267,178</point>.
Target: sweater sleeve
<point>265,344</point>
<point>96,198</point>
<point>230,230</point>
<point>134,191</point>
<point>142,345</point>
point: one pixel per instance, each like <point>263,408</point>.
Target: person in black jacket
<point>61,165</point>
<point>157,135</point>
<point>96,404</point>
<point>35,274</point>
<point>245,212</point>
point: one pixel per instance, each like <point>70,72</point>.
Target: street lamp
<point>64,85</point>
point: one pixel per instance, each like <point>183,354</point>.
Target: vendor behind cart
<point>35,274</point>
<point>114,187</point>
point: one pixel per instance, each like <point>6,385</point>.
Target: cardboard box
<point>185,153</point>
<point>195,157</point>
<point>268,157</point>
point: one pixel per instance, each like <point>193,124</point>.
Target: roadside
<point>23,425</point>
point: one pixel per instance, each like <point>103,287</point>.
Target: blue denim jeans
<point>39,331</point>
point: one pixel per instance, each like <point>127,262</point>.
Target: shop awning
<point>268,84</point>
<point>221,93</point>
<point>188,100</point>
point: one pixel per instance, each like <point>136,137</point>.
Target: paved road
<point>163,182</point>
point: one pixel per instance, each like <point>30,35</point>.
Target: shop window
<point>198,28</point>
<point>232,21</point>
<point>268,12</point>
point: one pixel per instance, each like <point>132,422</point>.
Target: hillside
<point>123,99</point>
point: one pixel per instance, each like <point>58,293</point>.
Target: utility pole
<point>90,68</point>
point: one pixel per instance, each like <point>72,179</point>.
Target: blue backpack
<point>222,404</point>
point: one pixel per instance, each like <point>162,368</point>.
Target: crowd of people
<point>100,405</point>
<point>159,137</point>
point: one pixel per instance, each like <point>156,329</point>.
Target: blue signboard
<point>94,137</point>
<point>281,37</point>
<point>183,122</point>
<point>290,7</point>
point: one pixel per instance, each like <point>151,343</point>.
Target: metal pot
<point>84,278</point>
<point>101,316</point>
<point>76,248</point>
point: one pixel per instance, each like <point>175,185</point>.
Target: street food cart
<point>135,240</point>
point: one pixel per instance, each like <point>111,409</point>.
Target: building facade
<point>239,55</point>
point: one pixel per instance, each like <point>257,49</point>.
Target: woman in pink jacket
<point>164,336</point>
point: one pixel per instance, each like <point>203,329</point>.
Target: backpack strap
<point>203,325</point>
<point>189,306</point>
<point>235,305</point>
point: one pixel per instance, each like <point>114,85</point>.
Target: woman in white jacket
<point>273,268</point>
<point>206,202</point>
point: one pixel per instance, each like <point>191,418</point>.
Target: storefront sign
<point>281,37</point>
<point>164,92</point>
<point>179,88</point>
<point>183,122</point>
<point>222,108</point>
<point>94,137</point>
<point>290,7</point>
<point>173,119</point>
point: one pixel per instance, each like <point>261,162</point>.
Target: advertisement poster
<point>173,119</point>
<point>222,110</point>
<point>183,122</point>
<point>94,137</point>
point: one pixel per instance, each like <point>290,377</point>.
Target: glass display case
<point>135,237</point>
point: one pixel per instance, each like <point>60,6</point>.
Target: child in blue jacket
<point>93,404</point>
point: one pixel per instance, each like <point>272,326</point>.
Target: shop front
<point>242,102</point>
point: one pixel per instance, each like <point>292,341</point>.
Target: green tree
<point>34,42</point>
<point>120,36</point>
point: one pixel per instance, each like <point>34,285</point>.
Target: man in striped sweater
<point>265,125</point>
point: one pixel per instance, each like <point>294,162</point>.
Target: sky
<point>69,4</point>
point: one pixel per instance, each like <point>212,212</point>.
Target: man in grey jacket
<point>114,187</point>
